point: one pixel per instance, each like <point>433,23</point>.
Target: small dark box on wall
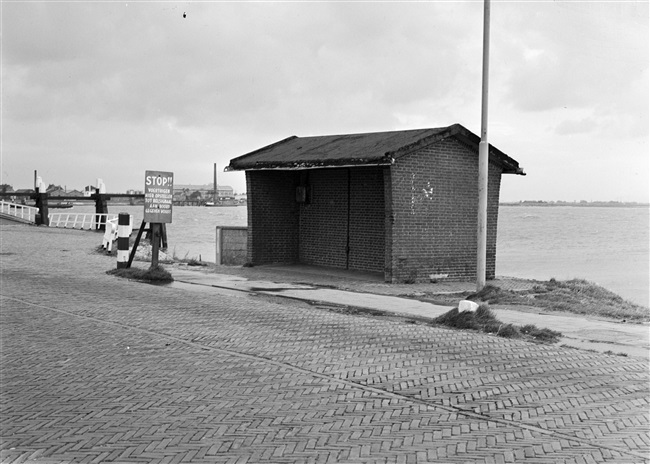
<point>303,194</point>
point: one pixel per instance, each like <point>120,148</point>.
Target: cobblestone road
<point>100,369</point>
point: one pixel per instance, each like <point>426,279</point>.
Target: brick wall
<point>434,213</point>
<point>367,228</point>
<point>494,189</point>
<point>412,220</point>
<point>323,222</point>
<point>388,225</point>
<point>272,217</point>
<point>346,211</point>
<point>232,245</point>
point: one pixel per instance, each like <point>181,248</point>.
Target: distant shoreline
<point>591,204</point>
<point>587,204</point>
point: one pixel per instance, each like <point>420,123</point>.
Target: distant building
<point>207,190</point>
<point>225,191</point>
<point>22,199</point>
<point>181,195</point>
<point>57,192</point>
<point>402,203</point>
<point>195,196</point>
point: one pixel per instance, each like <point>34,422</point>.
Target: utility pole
<point>483,159</point>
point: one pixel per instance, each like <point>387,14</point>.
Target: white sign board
<point>158,195</point>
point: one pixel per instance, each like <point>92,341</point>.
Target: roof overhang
<point>324,152</point>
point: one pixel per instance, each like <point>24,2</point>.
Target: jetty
<point>39,213</point>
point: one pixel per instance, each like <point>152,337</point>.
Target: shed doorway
<point>342,220</point>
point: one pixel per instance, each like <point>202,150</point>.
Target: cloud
<point>118,87</point>
<point>569,127</point>
<point>575,55</point>
<point>225,62</point>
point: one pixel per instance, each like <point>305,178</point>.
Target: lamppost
<point>483,156</point>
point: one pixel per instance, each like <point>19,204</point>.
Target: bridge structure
<point>39,213</point>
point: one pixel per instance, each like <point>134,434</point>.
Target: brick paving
<point>101,369</point>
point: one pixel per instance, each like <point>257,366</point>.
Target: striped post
<point>123,233</point>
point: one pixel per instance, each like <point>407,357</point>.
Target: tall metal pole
<point>483,156</point>
<point>215,197</point>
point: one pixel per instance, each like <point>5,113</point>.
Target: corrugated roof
<point>374,148</point>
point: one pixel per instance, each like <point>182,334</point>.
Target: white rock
<point>466,305</point>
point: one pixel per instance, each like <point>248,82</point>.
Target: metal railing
<point>79,220</point>
<point>25,212</point>
<point>64,220</point>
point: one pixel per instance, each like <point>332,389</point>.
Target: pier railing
<point>43,217</point>
<point>88,221</point>
<point>28,213</point>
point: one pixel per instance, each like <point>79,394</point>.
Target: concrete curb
<point>578,332</point>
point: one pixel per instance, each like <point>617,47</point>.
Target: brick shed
<point>402,203</point>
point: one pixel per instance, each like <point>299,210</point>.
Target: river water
<point>609,246</point>
<point>606,245</point>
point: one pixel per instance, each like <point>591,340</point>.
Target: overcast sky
<point>111,89</point>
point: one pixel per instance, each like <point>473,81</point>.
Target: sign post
<point>158,195</point>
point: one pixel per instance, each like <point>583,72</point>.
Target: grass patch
<point>145,246</point>
<point>484,320</point>
<point>576,296</point>
<point>156,274</point>
<point>187,260</point>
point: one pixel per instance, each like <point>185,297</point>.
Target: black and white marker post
<point>123,233</point>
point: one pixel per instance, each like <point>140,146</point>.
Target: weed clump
<point>509,331</point>
<point>611,353</point>
<point>543,335</point>
<point>457,320</point>
<point>577,296</point>
<point>491,294</point>
<point>156,274</point>
<point>476,320</point>
<point>484,320</point>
